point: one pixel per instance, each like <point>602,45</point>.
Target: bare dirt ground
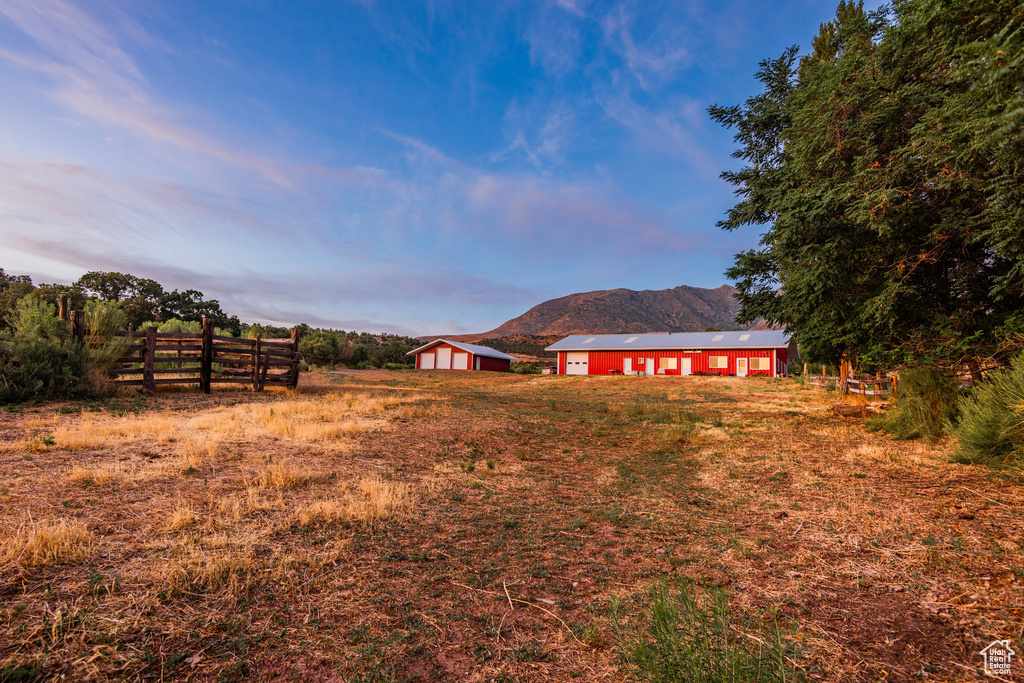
<point>438,526</point>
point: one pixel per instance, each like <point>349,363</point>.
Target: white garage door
<point>576,363</point>
<point>444,358</point>
<point>426,361</point>
<point>460,361</point>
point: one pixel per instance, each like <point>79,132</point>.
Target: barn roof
<point>740,339</point>
<point>475,349</point>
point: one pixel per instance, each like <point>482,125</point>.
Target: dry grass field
<point>441,526</point>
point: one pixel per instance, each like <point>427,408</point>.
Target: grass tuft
<point>991,429</point>
<point>38,543</point>
<point>690,635</point>
<point>372,501</point>
<point>279,475</point>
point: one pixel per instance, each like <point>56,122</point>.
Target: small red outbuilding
<point>442,354</point>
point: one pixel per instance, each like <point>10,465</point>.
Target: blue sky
<point>414,167</point>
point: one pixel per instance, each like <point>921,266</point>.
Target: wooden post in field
<point>206,363</point>
<point>256,364</point>
<point>77,328</point>
<point>62,310</point>
<point>148,360</point>
<point>294,380</point>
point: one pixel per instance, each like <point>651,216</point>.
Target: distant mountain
<point>681,309</point>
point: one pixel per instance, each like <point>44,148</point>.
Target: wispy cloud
<point>675,130</point>
<point>542,132</point>
<point>651,62</point>
<point>95,78</point>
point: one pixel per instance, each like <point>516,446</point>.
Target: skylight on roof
<point>718,337</point>
<point>631,339</point>
<point>744,337</point>
<point>589,340</point>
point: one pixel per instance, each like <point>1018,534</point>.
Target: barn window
<point>668,363</point>
<point>760,364</point>
<point>718,337</point>
<point>718,362</point>
<point>744,337</point>
<point>631,339</point>
<point>691,350</point>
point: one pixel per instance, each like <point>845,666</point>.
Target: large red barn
<point>442,354</point>
<point>739,354</point>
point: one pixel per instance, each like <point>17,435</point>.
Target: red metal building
<point>739,354</point>
<point>442,354</point>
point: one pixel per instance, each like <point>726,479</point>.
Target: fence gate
<point>154,358</point>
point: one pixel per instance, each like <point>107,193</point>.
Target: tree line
<point>39,359</point>
<point>143,301</point>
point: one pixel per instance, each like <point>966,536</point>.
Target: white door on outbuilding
<point>426,361</point>
<point>684,366</point>
<point>460,361</point>
<point>649,367</point>
<point>576,363</point>
<point>741,367</point>
<point>444,358</point>
<point>627,366</point>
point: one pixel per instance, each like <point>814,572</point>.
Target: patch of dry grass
<point>370,502</point>
<point>183,516</point>
<point>94,476</point>
<point>92,432</point>
<point>46,542</point>
<point>226,570</point>
<point>279,475</point>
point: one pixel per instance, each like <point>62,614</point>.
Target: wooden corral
<point>154,358</point>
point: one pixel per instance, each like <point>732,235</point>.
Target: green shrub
<point>991,427</point>
<point>526,368</point>
<point>103,320</point>
<point>320,348</point>
<point>175,326</point>
<point>40,360</point>
<point>690,636</point>
<point>924,403</point>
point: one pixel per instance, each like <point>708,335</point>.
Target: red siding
<point>603,362</point>
<point>494,364</point>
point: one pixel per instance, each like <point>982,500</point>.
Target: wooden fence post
<point>206,364</point>
<point>294,380</point>
<point>148,360</point>
<point>256,364</point>
<point>77,328</point>
<point>62,310</point>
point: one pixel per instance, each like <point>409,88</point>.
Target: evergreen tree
<point>887,169</point>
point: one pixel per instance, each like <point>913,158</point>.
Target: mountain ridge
<point>620,311</point>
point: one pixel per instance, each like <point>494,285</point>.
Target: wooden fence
<point>207,359</point>
<point>873,386</point>
<point>154,358</point>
